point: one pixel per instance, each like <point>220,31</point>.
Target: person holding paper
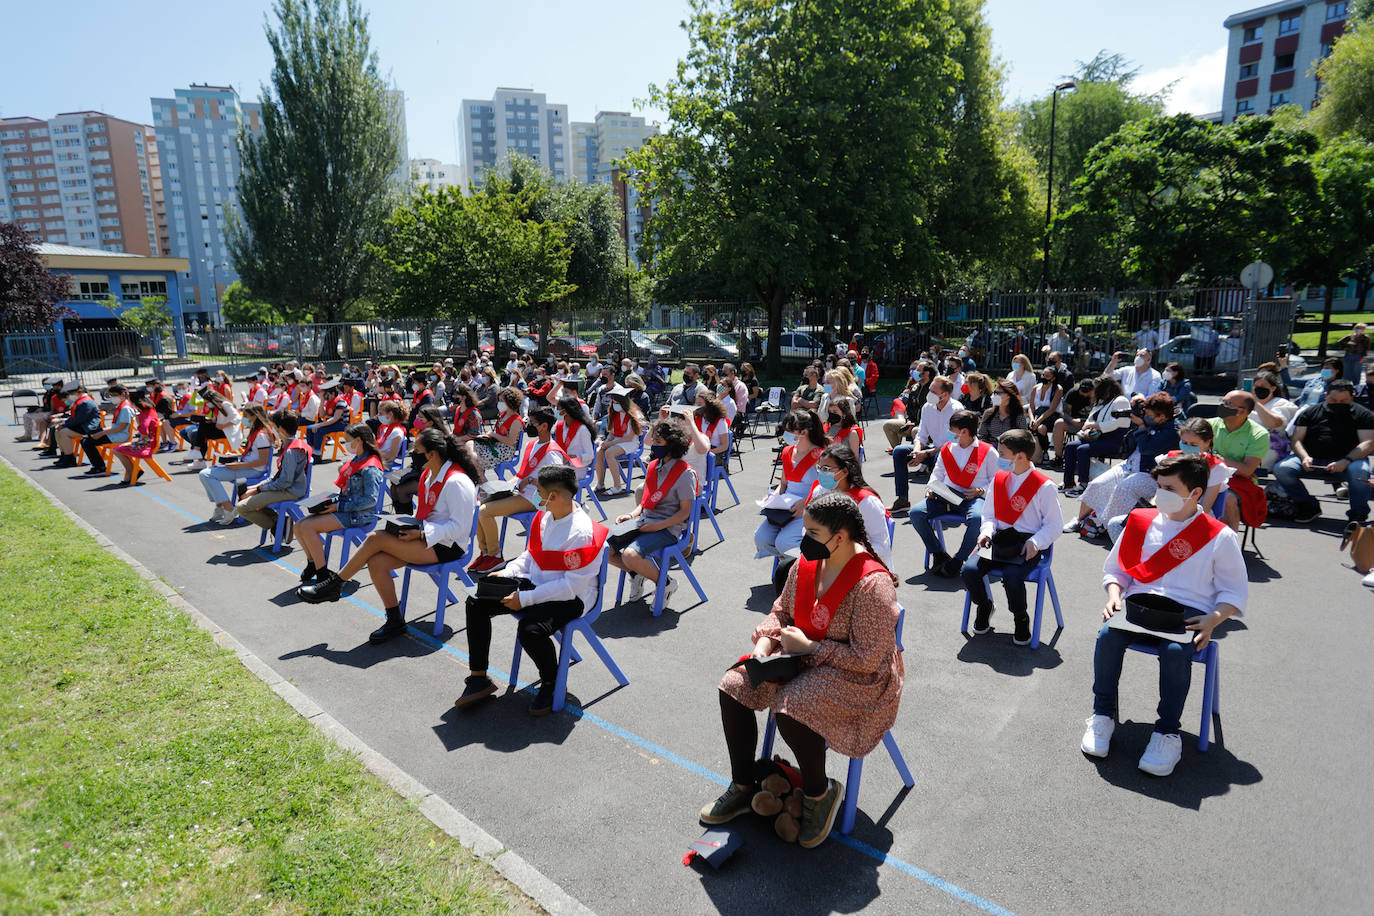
<point>839,612</point>
<point>1177,552</point>
<point>1024,510</point>
<point>540,450</point>
<point>359,481</point>
<point>573,432</point>
<point>931,434</point>
<point>444,519</point>
<point>670,485</point>
<point>498,446</point>
<point>803,437</point>
<point>965,468</point>
<point>551,584</point>
<point>623,429</point>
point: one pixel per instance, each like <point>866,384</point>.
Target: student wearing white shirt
<point>562,566</point>
<point>540,450</point>
<point>1024,501</point>
<point>967,466</point>
<point>1101,435</point>
<point>1179,552</point>
<point>1138,380</point>
<point>931,433</point>
<point>574,430</point>
<point>447,498</point>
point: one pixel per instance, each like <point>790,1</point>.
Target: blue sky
<point>591,55</point>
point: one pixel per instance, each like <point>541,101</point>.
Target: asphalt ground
<point>1006,814</point>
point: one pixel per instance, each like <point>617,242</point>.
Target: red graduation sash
<point>249,446</point>
<point>385,430</point>
<point>1007,507</point>
<point>504,426</point>
<point>295,442</point>
<point>558,560</point>
<point>1213,459</point>
<point>253,392</point>
<point>531,459</point>
<point>653,491</point>
<point>353,466</point>
<point>963,477</point>
<point>813,613</point>
<point>419,395</point>
<point>79,401</point>
<point>429,495</point>
<point>564,432</point>
<point>794,473</point>
<point>620,424</point>
<point>1196,535</point>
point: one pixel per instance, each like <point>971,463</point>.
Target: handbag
<point>1359,539</point>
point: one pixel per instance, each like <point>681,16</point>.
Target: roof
<point>47,249</point>
<point>69,257</point>
<point>1264,12</point>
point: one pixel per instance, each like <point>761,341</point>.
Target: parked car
<point>669,341</point>
<point>799,345</point>
<point>520,345</point>
<point>636,344</point>
<point>707,345</point>
<point>570,348</point>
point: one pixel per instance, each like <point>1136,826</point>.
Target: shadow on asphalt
<point>761,598</point>
<point>997,652</point>
<point>244,556</point>
<point>1259,569</point>
<point>1198,775</point>
<point>503,724</point>
<point>634,618</point>
<point>365,655</point>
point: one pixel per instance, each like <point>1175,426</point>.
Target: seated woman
<point>562,561</point>
<point>670,485</point>
<point>979,397</point>
<point>256,455</point>
<point>842,426</point>
<point>1022,376</point>
<point>1117,490</point>
<point>1101,435</point>
<point>573,432</point>
<point>147,435</point>
<point>467,415</point>
<point>360,480</point>
<point>223,423</point>
<point>623,429</point>
<point>1007,412</point>
<point>540,450</point>
<point>447,497</point>
<point>499,445</point>
<point>405,485</point>
<point>839,610</point>
<point>1073,413</point>
<point>391,432</point>
<point>421,395</point>
<point>334,416</point>
<point>713,424</point>
<point>1044,407</point>
<point>803,438</point>
<point>1195,438</point>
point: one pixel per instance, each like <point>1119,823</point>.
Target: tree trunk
<point>773,358</point>
<point>1326,319</point>
<point>472,335</point>
<point>329,344</point>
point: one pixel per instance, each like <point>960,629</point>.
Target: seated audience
<point>540,450</point>
<point>359,482</point>
<point>1335,438</point>
<point>1117,490</point>
<point>1101,435</point>
<point>1242,444</point>
<point>253,460</point>
<point>967,466</point>
<point>147,435</point>
<point>803,439</point>
<point>665,506</point>
<point>931,433</point>
<point>623,429</point>
<point>291,481</point>
<point>499,445</point>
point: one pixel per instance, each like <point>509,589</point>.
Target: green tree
<point>1361,11</point>
<point>149,318</point>
<point>318,184</point>
<point>802,145</point>
<point>1177,197</point>
<point>240,307</point>
<point>1337,237</point>
<point>1347,94</point>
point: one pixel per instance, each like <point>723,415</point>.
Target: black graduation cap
<point>330,385</point>
<point>1156,615</point>
<point>715,846</point>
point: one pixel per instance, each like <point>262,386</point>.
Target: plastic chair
<point>938,524</point>
<point>523,518</point>
<point>715,474</point>
<point>568,653</point>
<point>214,448</point>
<point>1211,686</point>
<point>439,573</point>
<point>353,537</point>
<point>584,486</point>
<point>673,553</point>
<point>510,466</point>
<point>1043,579</point>
<point>289,508</point>
<point>703,501</point>
<point>399,461</point>
<point>631,460</point>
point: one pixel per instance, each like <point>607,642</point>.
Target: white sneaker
<point>1368,580</point>
<point>636,587</point>
<point>198,465</point>
<point>669,587</point>
<point>1162,754</point>
<point>1097,737</point>
<point>1342,492</point>
<point>216,515</point>
<point>1073,526</point>
<point>615,491</point>
<point>229,517</point>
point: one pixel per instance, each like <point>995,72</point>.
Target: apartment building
<point>1271,52</point>
<point>433,174</point>
<point>514,120</point>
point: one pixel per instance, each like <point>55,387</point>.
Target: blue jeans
<point>214,477</point>
<point>933,507</point>
<point>315,435</point>
<point>1175,675</point>
<point>900,456</point>
<point>1078,454</point>
<point>775,540</point>
<point>1356,477</point>
<point>1013,580</point>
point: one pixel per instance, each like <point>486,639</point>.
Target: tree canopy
<point>30,295</point>
<point>1347,78</point>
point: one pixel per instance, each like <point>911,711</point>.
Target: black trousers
<point>89,445</point>
<point>741,726</point>
<point>535,630</point>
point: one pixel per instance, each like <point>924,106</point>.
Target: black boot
<point>1021,636</point>
<point>939,563</point>
<point>395,625</point>
<point>327,587</point>
<point>66,461</point>
<point>981,618</point>
<point>308,574</point>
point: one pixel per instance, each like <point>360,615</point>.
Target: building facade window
<point>1244,107</point>
<point>1252,33</point>
<point>1290,23</point>
<point>1284,62</point>
<point>1278,99</point>
<point>1337,10</point>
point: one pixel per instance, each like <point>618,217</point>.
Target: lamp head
<point>1066,85</point>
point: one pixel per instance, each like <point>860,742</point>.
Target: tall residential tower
<point>515,120</point>
<point>1271,52</point>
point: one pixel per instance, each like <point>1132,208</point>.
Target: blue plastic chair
<point>1211,685</point>
<point>1043,579</point>
<point>509,466</point>
<point>568,653</point>
<point>705,502</point>
<point>631,460</point>
<point>716,474</point>
<point>523,518</point>
<point>938,524</point>
<point>353,537</point>
<point>399,461</point>
<point>673,553</point>
<point>439,574</point>
<point>585,488</point>
<point>291,509</point>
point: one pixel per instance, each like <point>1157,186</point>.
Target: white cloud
<point>1197,83</point>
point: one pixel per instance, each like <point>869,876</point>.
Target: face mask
<point>1327,375</point>
<point>1169,502</point>
<point>789,438</point>
<point>915,374</point>
<point>1225,410</point>
<point>1187,449</point>
<point>1139,363</point>
<point>963,354</point>
<point>1048,380</point>
<point>617,408</point>
<point>1004,464</point>
<point>813,550</point>
<point>1338,408</point>
<point>999,400</point>
<point>415,387</point>
<point>531,430</point>
<point>833,418</point>
<point>658,452</point>
<point>1262,393</point>
<point>828,389</point>
<point>932,398</point>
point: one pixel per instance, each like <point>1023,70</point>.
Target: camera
<point>1283,350</point>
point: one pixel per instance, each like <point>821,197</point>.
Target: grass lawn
<point>144,770</point>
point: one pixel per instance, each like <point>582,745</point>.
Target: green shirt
<point>1249,441</point>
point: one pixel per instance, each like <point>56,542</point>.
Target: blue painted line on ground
<point>691,766</point>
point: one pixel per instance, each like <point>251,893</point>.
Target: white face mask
<point>999,400</point>
<point>415,387</point>
<point>1140,363</point>
<point>789,437</point>
<point>617,408</point>
<point>932,398</point>
<point>1169,502</point>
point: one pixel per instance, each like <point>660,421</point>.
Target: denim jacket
<point>1152,442</point>
<point>358,500</point>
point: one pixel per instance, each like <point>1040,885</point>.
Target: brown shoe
<point>475,689</point>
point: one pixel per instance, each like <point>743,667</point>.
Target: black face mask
<point>1225,410</point>
<point>812,549</point>
<point>658,452</point>
<point>531,430</point>
<point>1262,393</point>
<point>1339,408</point>
<point>833,418</point>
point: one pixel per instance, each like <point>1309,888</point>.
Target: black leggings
<point>535,630</point>
<point>742,738</point>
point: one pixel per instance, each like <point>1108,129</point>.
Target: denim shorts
<point>651,542</point>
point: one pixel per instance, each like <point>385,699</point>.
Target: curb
<point>509,864</point>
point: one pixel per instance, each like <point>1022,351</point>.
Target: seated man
<point>540,450</point>
<point>117,433</point>
<point>1336,438</point>
<point>1025,503</point>
<point>808,393</point>
<point>1242,443</point>
<point>931,433</point>
<point>967,466</point>
<point>1179,552</point>
<point>81,419</point>
<point>333,417</point>
<point>558,576</point>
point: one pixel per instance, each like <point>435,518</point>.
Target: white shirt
<point>551,456</point>
<point>717,434</point>
<point>1041,519</point>
<point>118,430</point>
<point>981,480</point>
<point>228,420</point>
<point>1102,414</point>
<point>1214,575</point>
<point>260,393</point>
<point>572,531</point>
<point>311,410</point>
<point>1025,384</point>
<point>1139,383</point>
<point>396,435</point>
<point>581,447</point>
<point>875,524</point>
<point>355,402</point>
<point>1145,339</point>
<point>450,521</point>
<point>934,429</point>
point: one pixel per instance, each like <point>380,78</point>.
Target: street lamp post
<point>1049,192</point>
<point>625,222</point>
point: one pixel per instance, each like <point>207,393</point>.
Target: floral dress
<point>144,442</point>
